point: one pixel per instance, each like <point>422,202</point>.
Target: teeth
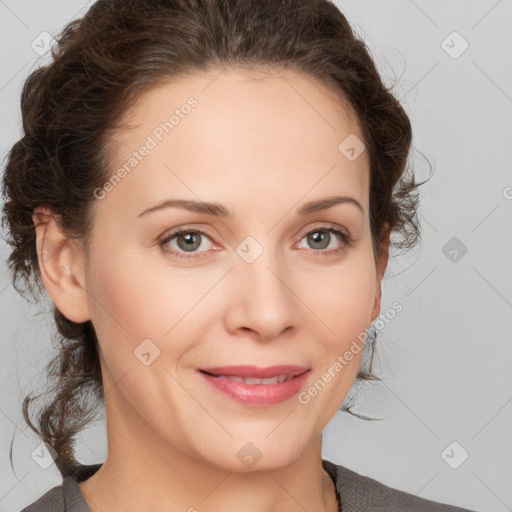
<point>252,380</point>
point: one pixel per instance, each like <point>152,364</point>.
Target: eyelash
<point>347,241</point>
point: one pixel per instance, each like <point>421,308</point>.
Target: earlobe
<point>61,264</point>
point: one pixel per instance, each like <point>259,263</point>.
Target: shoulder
<point>361,493</point>
<point>53,500</point>
<point>66,497</point>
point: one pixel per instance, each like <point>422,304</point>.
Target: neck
<point>143,472</point>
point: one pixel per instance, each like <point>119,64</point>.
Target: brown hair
<point>100,64</point>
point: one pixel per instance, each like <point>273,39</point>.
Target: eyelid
<point>170,234</point>
<point>324,225</point>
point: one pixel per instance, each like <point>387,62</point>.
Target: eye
<point>323,239</point>
<point>186,241</point>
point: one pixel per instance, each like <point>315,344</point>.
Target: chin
<point>256,453</point>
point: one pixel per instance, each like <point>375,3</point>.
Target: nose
<point>262,301</point>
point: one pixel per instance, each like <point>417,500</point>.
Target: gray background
<point>445,357</point>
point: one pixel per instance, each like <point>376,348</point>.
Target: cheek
<point>124,305</point>
<point>345,310</point>
<point>344,297</point>
<point>132,300</point>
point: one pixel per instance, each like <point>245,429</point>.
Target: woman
<point>207,190</point>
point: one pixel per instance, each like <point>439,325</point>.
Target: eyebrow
<point>219,210</point>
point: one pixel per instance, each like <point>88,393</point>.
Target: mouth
<point>252,380</point>
<point>257,375</point>
<point>255,386</point>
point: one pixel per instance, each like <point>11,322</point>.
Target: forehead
<point>265,130</point>
<point>269,98</point>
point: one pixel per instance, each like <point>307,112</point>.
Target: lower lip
<point>258,395</point>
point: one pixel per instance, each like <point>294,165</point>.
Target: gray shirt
<point>356,493</point>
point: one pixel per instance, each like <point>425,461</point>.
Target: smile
<point>252,380</point>
<point>257,387</point>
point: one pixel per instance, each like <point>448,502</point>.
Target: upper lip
<point>256,371</point>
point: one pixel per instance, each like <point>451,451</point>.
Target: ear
<point>62,267</point>
<point>381,265</point>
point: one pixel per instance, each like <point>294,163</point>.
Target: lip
<point>257,395</point>
<point>256,371</point>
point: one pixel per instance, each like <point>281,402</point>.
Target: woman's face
<point>257,280</point>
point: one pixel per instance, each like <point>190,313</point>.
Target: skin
<point>262,143</point>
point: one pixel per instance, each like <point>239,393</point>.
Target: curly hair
<point>100,64</point>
